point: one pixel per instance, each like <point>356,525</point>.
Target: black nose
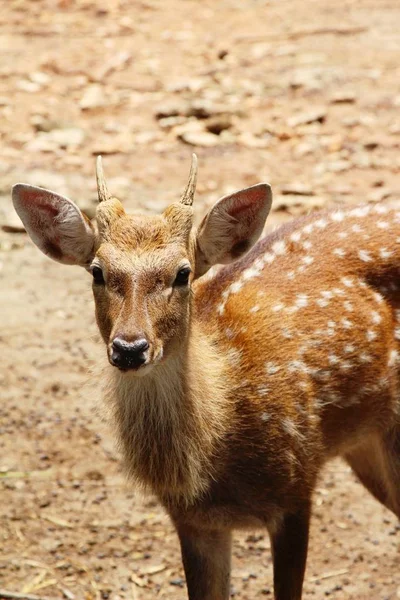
<point>129,355</point>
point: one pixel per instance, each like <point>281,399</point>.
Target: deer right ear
<point>232,227</point>
<point>55,224</point>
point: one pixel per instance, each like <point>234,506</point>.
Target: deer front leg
<point>289,542</point>
<point>206,557</point>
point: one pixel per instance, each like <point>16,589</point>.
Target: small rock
<point>298,204</point>
<point>199,138</point>
<point>72,136</point>
<point>169,122</point>
<point>297,189</point>
<point>10,221</point>
<point>93,97</point>
<point>317,115</point>
<point>343,98</point>
<point>28,86</point>
<point>218,124</point>
<point>40,78</point>
<point>251,141</point>
<point>170,109</point>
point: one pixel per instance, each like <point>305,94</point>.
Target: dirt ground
<point>302,93</point>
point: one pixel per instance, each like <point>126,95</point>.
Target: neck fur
<point>171,421</point>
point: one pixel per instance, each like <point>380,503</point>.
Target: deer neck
<point>171,422</point>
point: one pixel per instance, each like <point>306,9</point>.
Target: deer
<point>238,368</point>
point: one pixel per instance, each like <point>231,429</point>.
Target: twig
<point>295,35</point>
<point>4,594</point>
<point>329,575</point>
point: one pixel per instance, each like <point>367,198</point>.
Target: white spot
<point>295,237</point>
<point>265,417</point>
<point>269,258</point>
<point>287,333</point>
<point>364,255</point>
<point>342,235</point>
<point>321,223</point>
<point>337,216</point>
<point>278,307</point>
<point>393,358</point>
<point>290,428</point>
<point>272,368</point>
<point>348,306</point>
<point>347,281</point>
<point>236,287</point>
<point>221,308</point>
<point>307,244</point>
<point>356,228</point>
<point>308,260</point>
<point>376,317</point>
<point>397,333</point>
<point>349,348</point>
<point>339,252</point>
<point>322,302</point>
<point>303,385</point>
<point>378,297</point>
<point>301,301</point>
<point>263,390</point>
<point>382,225</point>
<point>327,294</point>
<point>346,365</point>
<point>362,283</point>
<point>364,357</point>
<point>331,324</point>
<point>380,209</point>
<point>251,272</point>
<point>308,228</point>
<point>346,323</point>
<point>383,253</point>
<point>279,247</point>
<point>255,309</point>
<point>371,335</point>
<point>333,359</point>
<point>361,211</point>
<point>234,357</point>
<point>296,365</point>
<point>339,291</point>
<point>290,275</point>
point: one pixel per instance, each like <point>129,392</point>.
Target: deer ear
<point>232,226</point>
<point>55,224</point>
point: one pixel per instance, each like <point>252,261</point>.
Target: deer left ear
<point>55,224</point>
<point>232,227</point>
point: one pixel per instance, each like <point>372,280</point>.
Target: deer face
<point>143,266</point>
<point>142,272</point>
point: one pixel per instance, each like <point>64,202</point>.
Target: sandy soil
<point>302,93</point>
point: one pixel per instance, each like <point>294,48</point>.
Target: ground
<point>301,93</point>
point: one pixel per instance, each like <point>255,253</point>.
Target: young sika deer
<point>230,392</point>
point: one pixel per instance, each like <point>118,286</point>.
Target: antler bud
<point>188,194</point>
<point>101,182</point>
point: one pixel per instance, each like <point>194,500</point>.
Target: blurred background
<point>301,93</point>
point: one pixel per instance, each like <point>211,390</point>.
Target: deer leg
<point>206,557</point>
<point>289,543</point>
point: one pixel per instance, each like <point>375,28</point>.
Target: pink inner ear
<point>35,200</point>
<point>244,202</point>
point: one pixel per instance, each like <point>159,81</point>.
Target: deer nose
<point>129,355</point>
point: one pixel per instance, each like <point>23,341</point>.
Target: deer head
<point>142,266</point>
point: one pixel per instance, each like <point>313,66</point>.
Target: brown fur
<point>192,430</point>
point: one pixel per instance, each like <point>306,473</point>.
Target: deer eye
<point>97,275</point>
<point>182,276</point>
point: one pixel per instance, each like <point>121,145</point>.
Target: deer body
<point>278,362</point>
